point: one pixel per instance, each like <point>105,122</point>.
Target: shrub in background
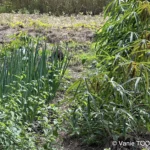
<point>56,7</point>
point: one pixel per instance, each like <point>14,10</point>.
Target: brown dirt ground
<point>77,28</point>
<point>53,35</point>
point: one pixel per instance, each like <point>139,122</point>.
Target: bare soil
<point>77,28</point>
<point>53,35</point>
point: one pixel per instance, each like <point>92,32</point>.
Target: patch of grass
<point>83,56</point>
<point>44,20</point>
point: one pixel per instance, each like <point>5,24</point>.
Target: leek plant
<point>29,79</point>
<point>30,61</point>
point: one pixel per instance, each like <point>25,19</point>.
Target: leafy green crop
<point>30,78</point>
<point>29,61</point>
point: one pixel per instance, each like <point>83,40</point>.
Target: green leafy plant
<point>31,61</point>
<point>30,78</point>
<point>113,100</point>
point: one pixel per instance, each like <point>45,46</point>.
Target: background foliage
<point>56,7</point>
